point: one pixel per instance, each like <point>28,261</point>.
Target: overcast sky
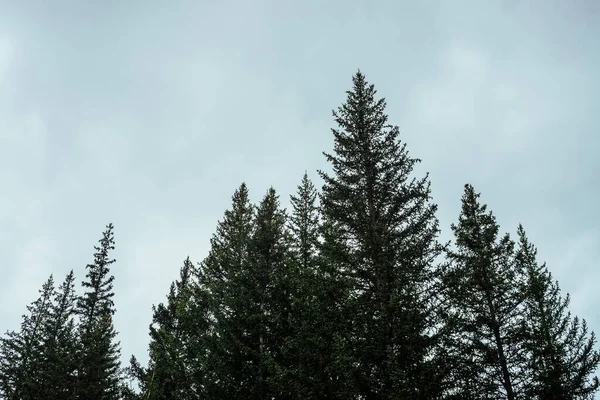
<point>149,114</point>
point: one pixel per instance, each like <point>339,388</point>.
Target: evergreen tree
<point>230,362</point>
<point>135,374</point>
<point>250,296</point>
<point>21,361</point>
<point>561,353</point>
<point>168,375</point>
<point>307,345</point>
<point>332,374</point>
<point>482,282</point>
<point>385,247</point>
<point>198,323</point>
<point>98,375</point>
<point>271,281</point>
<point>60,346</point>
<point>304,224</point>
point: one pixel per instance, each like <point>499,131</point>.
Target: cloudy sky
<point>150,114</point>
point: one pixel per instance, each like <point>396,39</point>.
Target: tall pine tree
<point>60,347</point>
<point>230,363</point>
<point>269,302</point>
<point>482,286</point>
<point>385,247</point>
<point>561,353</point>
<point>98,366</point>
<point>169,373</point>
<point>250,295</point>
<point>21,360</point>
<point>308,345</point>
<point>304,224</point>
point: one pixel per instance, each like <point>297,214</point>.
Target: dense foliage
<point>348,295</point>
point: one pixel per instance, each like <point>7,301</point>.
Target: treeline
<point>66,346</point>
<point>350,294</point>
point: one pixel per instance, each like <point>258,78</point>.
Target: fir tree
<point>168,374</point>
<point>230,362</point>
<point>198,323</point>
<point>304,224</point>
<point>482,284</point>
<point>21,361</point>
<point>307,346</point>
<point>250,295</point>
<point>561,354</point>
<point>137,375</point>
<point>332,373</point>
<point>98,375</point>
<point>60,346</point>
<point>386,244</point>
<point>271,281</point>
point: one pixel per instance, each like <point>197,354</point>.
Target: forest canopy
<point>349,294</point>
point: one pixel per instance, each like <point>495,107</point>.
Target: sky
<point>150,114</point>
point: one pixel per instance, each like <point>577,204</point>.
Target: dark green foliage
<point>561,357</point>
<point>385,247</point>
<point>512,335</point>
<point>39,361</point>
<point>98,363</point>
<point>135,374</point>
<point>197,323</point>
<point>269,289</point>
<point>21,360</point>
<point>309,346</point>
<point>60,346</point>
<point>230,362</point>
<point>482,284</point>
<point>304,224</point>
<point>331,375</point>
<point>344,298</point>
<point>168,375</point>
<point>250,296</point>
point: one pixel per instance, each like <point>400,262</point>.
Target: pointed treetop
<point>305,192</point>
<point>359,79</point>
<point>304,209</point>
<point>528,251</point>
<point>470,201</point>
<point>268,206</point>
<point>186,270</point>
<point>99,281</point>
<point>239,200</point>
<point>241,192</point>
<point>473,217</point>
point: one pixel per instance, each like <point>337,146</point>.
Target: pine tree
<point>98,375</point>
<point>60,346</point>
<point>308,345</point>
<point>304,224</point>
<point>168,375</point>
<point>250,295</point>
<point>230,363</point>
<point>179,331</point>
<point>270,295</point>
<point>482,284</point>
<point>385,247</point>
<point>198,322</point>
<point>135,374</point>
<point>21,361</point>
<point>561,354</point>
